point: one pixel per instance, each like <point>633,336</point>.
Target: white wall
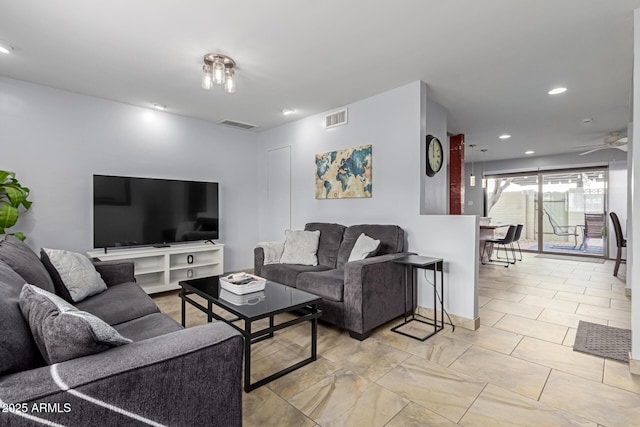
<point>392,123</point>
<point>56,140</point>
<point>633,230</point>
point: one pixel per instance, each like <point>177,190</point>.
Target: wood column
<point>456,174</point>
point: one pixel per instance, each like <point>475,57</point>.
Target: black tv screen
<point>143,211</point>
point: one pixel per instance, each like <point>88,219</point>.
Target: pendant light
<point>472,178</point>
<point>484,179</point>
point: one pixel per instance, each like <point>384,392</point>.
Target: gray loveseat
<point>168,375</point>
<point>357,295</point>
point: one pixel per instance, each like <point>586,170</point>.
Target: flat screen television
<point>131,211</point>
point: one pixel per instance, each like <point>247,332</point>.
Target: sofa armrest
<point>373,292</point>
<point>188,377</point>
<point>115,272</point>
<point>258,260</point>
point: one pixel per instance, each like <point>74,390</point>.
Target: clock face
<point>434,155</point>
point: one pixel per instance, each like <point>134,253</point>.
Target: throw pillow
<point>74,276</point>
<point>300,247</point>
<point>272,252</point>
<point>365,247</point>
<point>60,330</point>
<point>25,262</point>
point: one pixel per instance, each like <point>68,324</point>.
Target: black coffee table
<point>275,299</point>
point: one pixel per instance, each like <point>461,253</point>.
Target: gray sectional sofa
<point>168,375</point>
<point>357,295</point>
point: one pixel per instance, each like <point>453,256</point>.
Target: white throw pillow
<point>301,247</point>
<point>272,252</point>
<point>363,247</point>
<point>75,271</point>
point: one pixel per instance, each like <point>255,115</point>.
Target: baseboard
<point>459,321</point>
<point>634,365</point>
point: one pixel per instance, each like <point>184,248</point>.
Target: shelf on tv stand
<point>161,269</point>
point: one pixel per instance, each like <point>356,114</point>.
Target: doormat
<point>572,258</point>
<point>603,341</point>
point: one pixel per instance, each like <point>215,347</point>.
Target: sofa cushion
<point>119,303</point>
<point>391,240</point>
<point>364,247</point>
<point>25,262</point>
<point>287,274</point>
<point>61,331</point>
<point>330,239</point>
<point>18,350</point>
<point>300,247</point>
<point>148,326</point>
<point>326,284</point>
<point>74,276</point>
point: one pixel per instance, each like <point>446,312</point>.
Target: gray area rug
<point>603,341</point>
<point>572,258</point>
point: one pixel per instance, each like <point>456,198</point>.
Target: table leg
<point>247,356</point>
<point>314,334</point>
<point>209,315</point>
<point>183,308</point>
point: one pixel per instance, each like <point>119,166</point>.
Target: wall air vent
<point>338,118</point>
<point>240,125</point>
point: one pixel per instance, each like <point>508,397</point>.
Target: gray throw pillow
<point>300,247</point>
<point>74,276</point>
<point>25,262</point>
<point>364,247</point>
<point>61,331</point>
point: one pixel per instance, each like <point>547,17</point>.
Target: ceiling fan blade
<point>591,146</point>
<point>591,151</point>
<point>622,147</point>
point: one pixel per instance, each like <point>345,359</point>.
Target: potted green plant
<point>12,196</point>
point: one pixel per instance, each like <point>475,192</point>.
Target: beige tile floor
<point>517,369</point>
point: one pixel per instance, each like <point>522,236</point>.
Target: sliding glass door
<point>562,211</point>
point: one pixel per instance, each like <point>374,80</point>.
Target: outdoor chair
<point>621,242</point>
<point>593,229</point>
<point>506,240</point>
<point>562,230</point>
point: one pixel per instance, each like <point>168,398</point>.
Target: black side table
<point>412,263</point>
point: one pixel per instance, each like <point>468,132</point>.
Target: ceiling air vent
<point>232,123</point>
<point>338,118</point>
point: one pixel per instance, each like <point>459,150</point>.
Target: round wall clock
<point>434,155</point>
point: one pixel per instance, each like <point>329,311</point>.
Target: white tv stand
<point>161,269</point>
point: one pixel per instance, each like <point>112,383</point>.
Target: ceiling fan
<point>614,140</point>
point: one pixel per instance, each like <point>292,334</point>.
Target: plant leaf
<point>18,235</point>
<point>5,174</point>
<point>8,215</point>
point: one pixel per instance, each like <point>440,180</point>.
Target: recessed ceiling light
<point>288,111</point>
<point>557,90</point>
<point>4,48</point>
<point>160,107</point>
<point>529,152</point>
<point>587,121</point>
<point>505,136</point>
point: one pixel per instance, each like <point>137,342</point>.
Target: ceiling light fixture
<point>505,136</point>
<point>472,178</point>
<point>557,90</point>
<point>159,107</point>
<point>529,152</point>
<point>6,49</point>
<point>288,111</point>
<point>219,69</point>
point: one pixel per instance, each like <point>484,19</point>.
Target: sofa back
<point>391,240</point>
<point>330,240</point>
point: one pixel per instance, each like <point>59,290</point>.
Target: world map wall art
<point>344,173</point>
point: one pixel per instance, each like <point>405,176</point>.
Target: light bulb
<point>472,180</point>
<point>230,84</point>
<point>218,71</point>
<point>207,78</point>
